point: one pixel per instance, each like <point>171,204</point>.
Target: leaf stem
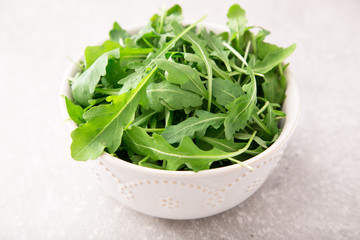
<point>161,75</point>
<point>154,129</point>
<point>245,57</point>
<point>241,70</point>
<point>241,163</point>
<point>143,119</point>
<point>168,117</point>
<point>236,53</point>
<point>253,152</point>
<point>254,45</point>
<point>107,91</point>
<point>143,160</point>
<point>246,52</point>
<point>163,12</point>
<point>128,125</point>
<point>281,70</point>
<point>219,106</point>
<point>208,66</point>
<point>168,151</point>
<point>203,75</point>
<point>147,42</point>
<point>260,124</point>
<point>263,108</point>
<point>234,73</point>
<point>279,113</point>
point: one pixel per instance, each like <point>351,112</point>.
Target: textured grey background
<point>313,193</point>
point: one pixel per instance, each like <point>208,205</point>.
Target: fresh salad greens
<point>178,97</point>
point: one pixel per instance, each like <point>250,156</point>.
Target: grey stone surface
<point>313,194</point>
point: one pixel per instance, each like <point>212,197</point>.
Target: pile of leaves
<point>178,97</point>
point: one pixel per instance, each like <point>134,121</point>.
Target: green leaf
<point>105,124</point>
<point>193,126</point>
<point>246,136</point>
<point>198,46</point>
<point>157,148</point>
<point>144,117</point>
<point>240,109</point>
<point>273,59</point>
<point>94,52</point>
<point>223,144</point>
<point>270,121</point>
<point>145,32</point>
<point>183,75</point>
<point>118,33</point>
<point>83,88</point>
<point>215,43</point>
<point>133,79</point>
<point>231,146</point>
<point>114,98</point>
<point>114,72</point>
<point>174,97</point>
<point>162,23</point>
<point>273,88</point>
<point>236,19</point>
<point>134,53</point>
<point>225,91</point>
<point>263,128</point>
<point>174,10</point>
<point>75,111</point>
<point>217,71</point>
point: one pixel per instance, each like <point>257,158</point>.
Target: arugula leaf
<point>94,52</point>
<point>274,88</point>
<point>273,59</point>
<point>226,92</point>
<point>223,144</point>
<point>240,110</point>
<point>193,126</point>
<point>174,97</point>
<point>145,32</point>
<point>132,80</point>
<point>163,23</point>
<point>183,75</point>
<point>186,154</point>
<point>75,111</point>
<point>144,117</point>
<point>217,71</point>
<point>246,136</point>
<point>270,121</point>
<point>236,20</point>
<point>198,46</point>
<point>83,88</point>
<point>117,34</point>
<point>215,43</point>
<point>134,53</point>
<point>239,33</point>
<point>105,124</point>
<point>114,72</point>
<point>115,95</point>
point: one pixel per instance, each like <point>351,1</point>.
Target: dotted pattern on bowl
<point>213,197</point>
<point>169,203</point>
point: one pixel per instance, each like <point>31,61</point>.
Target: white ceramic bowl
<point>186,194</point>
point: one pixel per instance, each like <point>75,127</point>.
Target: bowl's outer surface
<point>187,195</point>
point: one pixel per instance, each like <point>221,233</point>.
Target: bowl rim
<point>287,130</point>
